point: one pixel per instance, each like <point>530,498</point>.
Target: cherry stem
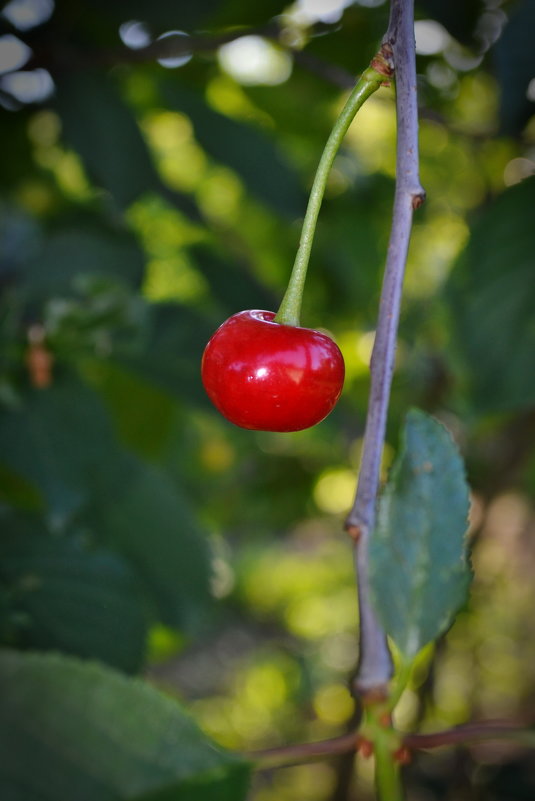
<point>290,308</point>
<point>375,664</point>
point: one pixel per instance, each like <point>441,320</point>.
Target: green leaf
<point>161,15</point>
<point>245,149</point>
<point>142,513</point>
<point>492,296</point>
<point>144,426</point>
<point>62,441</point>
<point>459,17</point>
<point>231,283</point>
<point>514,58</point>
<point>103,131</point>
<point>419,571</point>
<point>76,730</point>
<point>176,341</point>
<point>82,247</point>
<point>86,603</point>
<point>58,439</point>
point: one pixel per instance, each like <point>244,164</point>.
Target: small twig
<point>467,732</point>
<point>286,756</point>
<point>303,752</point>
<point>375,666</point>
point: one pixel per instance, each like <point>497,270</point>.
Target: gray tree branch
<point>375,665</point>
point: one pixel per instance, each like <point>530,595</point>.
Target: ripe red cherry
<point>267,376</point>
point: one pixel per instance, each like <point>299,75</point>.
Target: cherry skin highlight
<point>266,376</point>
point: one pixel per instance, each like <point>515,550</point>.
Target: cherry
<point>267,376</point>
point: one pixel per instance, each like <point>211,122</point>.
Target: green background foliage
<point>143,205</point>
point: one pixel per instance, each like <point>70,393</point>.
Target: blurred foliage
<point>141,205</point>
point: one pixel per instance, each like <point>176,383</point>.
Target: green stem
<point>387,772</point>
<point>290,307</point>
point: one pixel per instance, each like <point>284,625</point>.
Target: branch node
<point>403,755</point>
<point>354,531</point>
<point>383,61</point>
<point>371,696</point>
<point>417,199</point>
<point>364,747</point>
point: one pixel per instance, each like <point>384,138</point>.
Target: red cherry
<point>267,376</point>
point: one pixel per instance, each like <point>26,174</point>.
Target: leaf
<point>62,441</point>
<point>176,341</point>
<point>419,571</point>
<point>76,730</point>
<point>459,17</point>
<point>245,149</point>
<point>161,15</point>
<point>86,603</point>
<point>20,239</point>
<point>514,59</point>
<point>58,440</point>
<point>144,426</point>
<point>83,247</point>
<point>492,297</point>
<point>102,129</point>
<point>142,513</point>
<point>231,283</point>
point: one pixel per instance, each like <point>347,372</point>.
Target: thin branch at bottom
<point>287,755</point>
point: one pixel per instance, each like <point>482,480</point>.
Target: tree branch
<point>304,752</point>
<point>375,667</point>
<point>470,732</point>
<point>285,756</point>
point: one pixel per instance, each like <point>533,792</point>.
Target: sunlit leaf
<point>71,729</point>
<point>264,170</point>
<point>102,129</point>
<point>418,564</point>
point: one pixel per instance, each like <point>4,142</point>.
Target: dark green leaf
<point>143,426</point>
<point>58,440</point>
<point>459,17</point>
<point>235,12</point>
<point>492,295</point>
<point>176,341</point>
<point>161,15</point>
<point>230,282</point>
<point>20,240</point>
<point>62,441</point>
<point>71,599</point>
<point>75,730</point>
<point>142,513</point>
<point>514,57</point>
<point>82,248</point>
<point>418,565</point>
<point>245,149</point>
<point>103,131</point>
